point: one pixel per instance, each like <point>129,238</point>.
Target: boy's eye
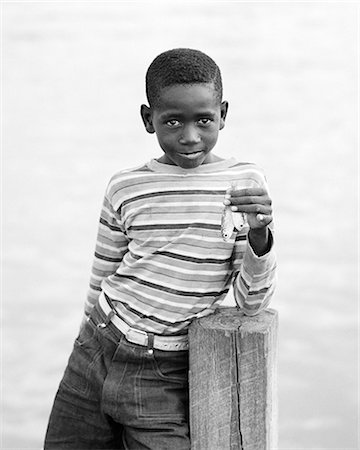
<point>204,121</point>
<point>173,123</point>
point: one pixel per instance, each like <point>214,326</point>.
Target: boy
<point>160,262</point>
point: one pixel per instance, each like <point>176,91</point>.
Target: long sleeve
<point>254,282</point>
<point>111,246</point>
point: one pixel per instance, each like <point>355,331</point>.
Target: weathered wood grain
<point>233,399</point>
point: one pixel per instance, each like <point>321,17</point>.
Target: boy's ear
<point>223,112</point>
<point>146,115</point>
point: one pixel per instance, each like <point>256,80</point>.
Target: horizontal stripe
<point>137,313</point>
<point>164,305</point>
<point>174,209</point>
<point>150,323</point>
<point>178,277</point>
<point>172,193</point>
<point>260,291</point>
<point>168,289</point>
<point>192,259</point>
<point>95,288</point>
<point>189,272</point>
<point>179,226</point>
<point>241,237</point>
<point>107,258</point>
<point>111,227</point>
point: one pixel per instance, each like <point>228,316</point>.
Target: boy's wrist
<point>259,240</point>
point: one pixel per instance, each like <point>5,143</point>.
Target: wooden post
<point>233,400</point>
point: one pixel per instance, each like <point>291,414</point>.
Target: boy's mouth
<point>192,155</point>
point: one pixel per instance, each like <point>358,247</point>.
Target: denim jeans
<point>118,395</point>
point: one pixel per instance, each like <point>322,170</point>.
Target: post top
<point>232,319</point>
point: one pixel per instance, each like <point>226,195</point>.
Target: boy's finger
<point>263,219</point>
<point>248,192</point>
<point>254,209</point>
<point>253,200</point>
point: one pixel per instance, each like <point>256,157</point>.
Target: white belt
<point>169,343</point>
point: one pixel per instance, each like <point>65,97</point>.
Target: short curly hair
<point>181,66</point>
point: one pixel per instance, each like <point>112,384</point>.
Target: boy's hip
<point>107,317</point>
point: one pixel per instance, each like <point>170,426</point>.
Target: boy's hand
<point>255,202</point>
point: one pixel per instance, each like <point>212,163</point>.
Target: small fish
<point>240,220</point>
<point>227,223</point>
<point>231,219</point>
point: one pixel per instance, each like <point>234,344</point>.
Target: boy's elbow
<point>253,308</point>
<point>252,313</point>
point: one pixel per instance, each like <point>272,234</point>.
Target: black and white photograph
<point>180,225</point>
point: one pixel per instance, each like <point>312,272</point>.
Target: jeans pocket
<point>80,373</point>
<point>86,334</point>
<point>172,366</point>
<point>162,394</point>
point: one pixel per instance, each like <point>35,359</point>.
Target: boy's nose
<point>189,136</point>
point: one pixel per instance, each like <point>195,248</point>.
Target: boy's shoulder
<point>130,170</point>
<point>126,179</point>
<point>129,174</point>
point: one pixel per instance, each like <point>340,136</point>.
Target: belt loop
<point>150,343</point>
<point>107,320</point>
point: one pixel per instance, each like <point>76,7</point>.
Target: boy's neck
<point>219,164</point>
<point>211,159</point>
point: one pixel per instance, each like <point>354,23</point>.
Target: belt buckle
<point>137,337</point>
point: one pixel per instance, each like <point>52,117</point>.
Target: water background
<point>73,82</point>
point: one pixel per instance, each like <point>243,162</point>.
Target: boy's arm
<point>111,246</point>
<point>254,266</point>
<point>254,282</point>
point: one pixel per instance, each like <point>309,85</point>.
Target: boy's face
<point>186,120</point>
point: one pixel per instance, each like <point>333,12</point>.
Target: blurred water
<point>72,86</point>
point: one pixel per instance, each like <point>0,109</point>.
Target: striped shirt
<point>160,257</point>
